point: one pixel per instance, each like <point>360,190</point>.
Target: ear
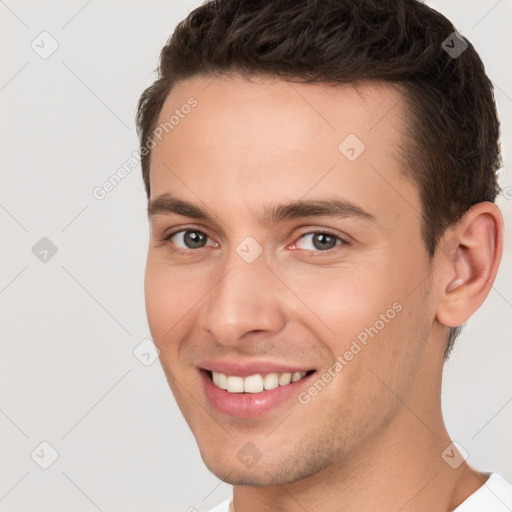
<point>469,257</point>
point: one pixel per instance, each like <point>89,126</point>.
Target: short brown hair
<point>452,152</point>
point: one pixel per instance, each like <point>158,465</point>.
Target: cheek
<point>342,301</point>
<point>362,313</point>
<point>169,296</point>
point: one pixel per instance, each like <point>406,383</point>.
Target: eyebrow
<point>272,214</point>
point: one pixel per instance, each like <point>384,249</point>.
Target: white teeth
<point>222,381</point>
<point>254,383</point>
<point>296,376</point>
<point>271,381</point>
<point>235,384</point>
<point>285,378</point>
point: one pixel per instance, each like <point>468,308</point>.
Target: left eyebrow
<point>334,207</point>
<point>272,214</point>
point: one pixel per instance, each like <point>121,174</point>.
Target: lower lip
<point>248,405</point>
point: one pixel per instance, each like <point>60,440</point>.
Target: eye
<point>322,241</point>
<point>185,241</point>
<point>189,238</point>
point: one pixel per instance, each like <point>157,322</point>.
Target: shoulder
<point>495,495</point>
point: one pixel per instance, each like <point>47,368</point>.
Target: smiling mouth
<point>256,383</point>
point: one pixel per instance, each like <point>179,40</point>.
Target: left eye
<point>321,241</point>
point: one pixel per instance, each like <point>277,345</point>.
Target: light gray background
<point>68,374</point>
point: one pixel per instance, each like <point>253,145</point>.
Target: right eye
<point>191,239</point>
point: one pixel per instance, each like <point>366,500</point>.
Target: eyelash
<point>319,232</point>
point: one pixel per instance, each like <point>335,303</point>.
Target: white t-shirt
<point>494,496</point>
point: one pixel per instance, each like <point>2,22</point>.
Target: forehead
<point>272,139</point>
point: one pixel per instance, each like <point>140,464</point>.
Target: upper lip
<point>243,368</point>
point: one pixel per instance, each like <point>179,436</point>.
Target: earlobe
<point>469,262</point>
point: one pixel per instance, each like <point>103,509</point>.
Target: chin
<point>249,476</point>
<point>264,473</point>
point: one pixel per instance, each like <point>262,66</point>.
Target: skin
<point>378,422</point>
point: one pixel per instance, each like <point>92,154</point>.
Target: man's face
<point>302,293</point>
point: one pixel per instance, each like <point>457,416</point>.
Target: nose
<point>245,298</point>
